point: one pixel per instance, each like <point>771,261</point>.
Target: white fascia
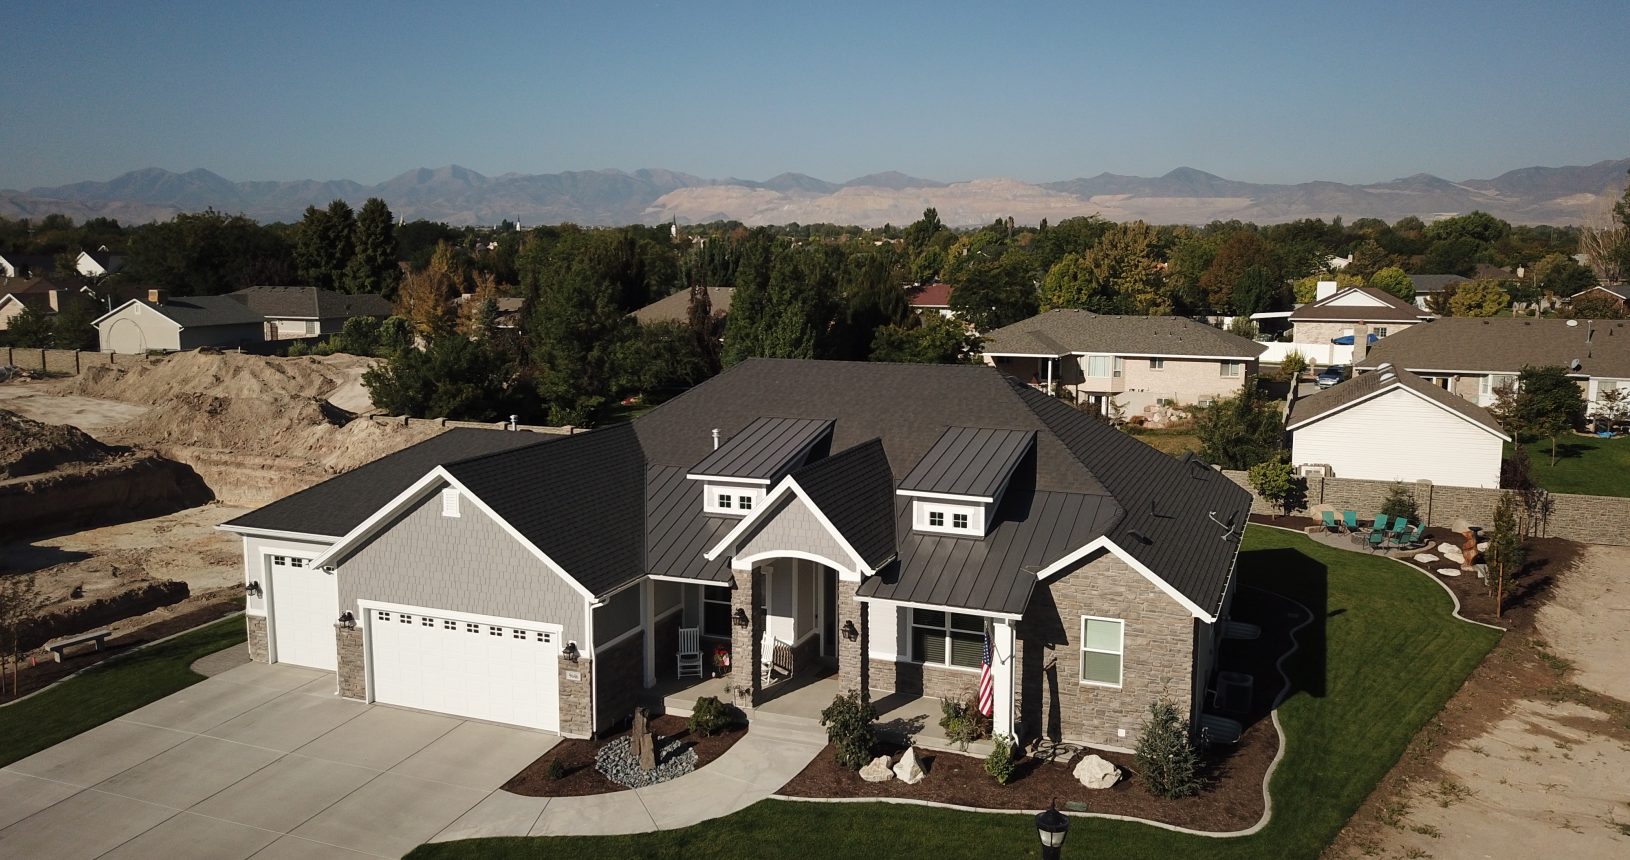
<point>788,485</point>
<point>1104,543</point>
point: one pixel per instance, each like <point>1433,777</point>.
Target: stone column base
<point>352,673</point>
<point>259,650</point>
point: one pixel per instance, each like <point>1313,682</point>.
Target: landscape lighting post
<point>1052,826</point>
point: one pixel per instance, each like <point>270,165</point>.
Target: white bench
<point>57,646</point>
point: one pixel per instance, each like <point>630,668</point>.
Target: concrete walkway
<point>757,766</point>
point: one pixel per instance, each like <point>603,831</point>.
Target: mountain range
<point>458,195</point>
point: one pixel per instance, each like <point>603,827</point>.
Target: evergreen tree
<point>1166,761</point>
<point>373,267</point>
<point>323,245</point>
<point>31,328</point>
<point>575,327</point>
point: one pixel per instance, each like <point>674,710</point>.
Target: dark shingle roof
<point>1067,330</point>
<point>854,489</point>
<point>1331,309</point>
<point>969,462</point>
<point>1507,345</point>
<point>1338,397</point>
<point>340,504</point>
<point>1436,283</point>
<point>204,311</point>
<point>581,500</point>
<point>765,449</point>
<point>676,307</point>
<point>312,303</point>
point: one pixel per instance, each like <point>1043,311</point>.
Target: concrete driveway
<point>266,762</point>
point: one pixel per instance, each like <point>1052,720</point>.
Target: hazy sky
<point>1268,91</point>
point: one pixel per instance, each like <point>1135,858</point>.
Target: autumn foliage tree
<point>426,298</point>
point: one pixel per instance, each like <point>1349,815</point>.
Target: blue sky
<point>1269,91</point>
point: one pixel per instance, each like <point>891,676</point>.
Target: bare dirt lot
<point>42,401</point>
<point>1530,758</point>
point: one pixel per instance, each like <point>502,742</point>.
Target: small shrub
<point>710,717</point>
<point>1293,365</point>
<point>1000,764</point>
<point>1166,760</point>
<point>1278,484</point>
<point>848,721</point>
<point>1400,504</point>
<point>298,348</point>
<point>557,769</point>
<point>962,722</point>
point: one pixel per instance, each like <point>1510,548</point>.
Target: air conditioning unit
<point>1314,471</point>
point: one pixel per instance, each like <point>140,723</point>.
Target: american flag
<point>987,684</point>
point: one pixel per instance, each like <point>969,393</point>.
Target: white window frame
<point>1486,386</point>
<point>923,512</point>
<point>1083,650</point>
<point>1379,331</point>
<point>911,637</point>
<point>1157,364</point>
<point>1230,369</point>
<point>1117,366</point>
<point>737,501</point>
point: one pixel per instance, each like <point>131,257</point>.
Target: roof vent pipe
<point>715,438</point>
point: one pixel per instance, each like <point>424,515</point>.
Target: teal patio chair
<point>1376,540</point>
<point>1381,521</point>
<point>1350,520</point>
<point>1330,524</point>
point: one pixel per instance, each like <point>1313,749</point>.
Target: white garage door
<point>305,603</point>
<point>504,672</point>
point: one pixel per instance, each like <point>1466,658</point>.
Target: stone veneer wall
<point>939,682</point>
<point>258,651</point>
<point>353,678</point>
<point>1157,661</point>
<point>1587,519</point>
<point>854,668</point>
<point>575,696</point>
<point>621,680</point>
<point>745,682</point>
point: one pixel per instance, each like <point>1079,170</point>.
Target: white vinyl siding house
<point>1400,436</point>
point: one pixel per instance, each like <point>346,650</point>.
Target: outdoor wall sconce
<point>570,652</point>
<point>741,618</point>
<point>850,634</point>
<point>348,621</point>
<point>253,589</point>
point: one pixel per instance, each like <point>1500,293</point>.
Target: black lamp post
<point>1052,826</point>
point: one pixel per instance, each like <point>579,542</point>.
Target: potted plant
<point>721,660</point>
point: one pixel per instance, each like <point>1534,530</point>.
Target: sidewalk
<point>757,766</point>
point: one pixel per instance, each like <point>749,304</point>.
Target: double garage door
<point>505,672</point>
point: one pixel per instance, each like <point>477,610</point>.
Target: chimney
<point>1324,290</point>
<point>1361,342</point>
<point>158,297</point>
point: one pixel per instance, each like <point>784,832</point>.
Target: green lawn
<point>107,690</point>
<point>1173,442</point>
<point>1584,464</point>
<point>1382,657</point>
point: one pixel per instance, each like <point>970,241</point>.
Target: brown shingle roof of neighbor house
<point>676,308</point>
<point>312,303</point>
<point>1068,330</point>
<point>1379,381</point>
<point>1619,291</point>
<point>1507,345</point>
<point>1429,284</point>
<point>935,295</point>
<point>1391,309</point>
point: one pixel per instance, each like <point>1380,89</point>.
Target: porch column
<point>648,623</point>
<point>854,670</point>
<point>1003,671</point>
<point>745,681</point>
<point>1050,363</point>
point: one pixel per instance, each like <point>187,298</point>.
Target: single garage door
<point>503,672</point>
<point>304,605</point>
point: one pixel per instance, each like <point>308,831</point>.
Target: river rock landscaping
<point>605,765</point>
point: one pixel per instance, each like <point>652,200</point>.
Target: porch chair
<point>1330,524</point>
<point>775,656</point>
<point>1350,520</point>
<point>689,658</point>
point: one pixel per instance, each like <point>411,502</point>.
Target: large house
<point>160,321</point>
<point>1142,363</point>
<point>1474,357</point>
<point>1339,312</point>
<point>292,312</point>
<point>869,527</point>
<point>1350,430</point>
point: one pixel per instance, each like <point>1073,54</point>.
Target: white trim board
<point>771,501</point>
<point>1104,543</point>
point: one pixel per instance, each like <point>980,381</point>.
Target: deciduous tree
<point>1240,431</point>
<point>1395,281</point>
<point>932,339</point>
<point>1479,299</point>
<point>1506,552</point>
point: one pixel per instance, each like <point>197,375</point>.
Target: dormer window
<point>745,465</point>
<point>722,501</point>
<point>957,486</point>
<point>731,500</point>
<point>949,518</point>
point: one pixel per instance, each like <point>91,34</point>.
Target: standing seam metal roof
<point>969,461</point>
<point>765,449</point>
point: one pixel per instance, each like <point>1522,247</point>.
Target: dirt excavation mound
<point>256,428</point>
<point>29,447</point>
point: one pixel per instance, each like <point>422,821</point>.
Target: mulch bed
<point>1547,558</point>
<point>578,757</point>
<point>1231,799</point>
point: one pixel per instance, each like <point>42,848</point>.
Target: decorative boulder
<point>1425,557</point>
<point>1483,546</point>
<point>1446,548</point>
<point>1095,772</point>
<point>878,770</point>
<point>908,770</point>
<point>1448,571</point>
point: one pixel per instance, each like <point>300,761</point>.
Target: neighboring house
<point>27,265</point>
<point>1473,357</point>
<point>292,312</point>
<point>932,298</point>
<point>676,307</point>
<point>92,264</point>
<point>1142,363</point>
<point>160,322</point>
<point>42,294</point>
<point>1334,315</point>
<point>1427,286</point>
<point>1617,292</point>
<point>874,524</point>
<point>1351,430</point>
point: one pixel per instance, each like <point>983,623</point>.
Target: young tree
<point>1612,405</point>
<point>1479,299</point>
<point>1240,431</point>
<point>1506,552</point>
<point>1166,761</point>
<point>20,607</point>
<point>1548,403</point>
<point>1278,484</point>
<point>1400,504</point>
<point>1293,365</point>
<point>1393,280</point>
<point>1244,326</point>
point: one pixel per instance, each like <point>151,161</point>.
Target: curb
<point>119,656</point>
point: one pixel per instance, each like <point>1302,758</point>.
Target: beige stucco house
<point>1336,315</point>
<point>162,322</point>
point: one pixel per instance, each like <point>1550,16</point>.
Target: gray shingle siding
<point>467,563</point>
<point>792,525</point>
